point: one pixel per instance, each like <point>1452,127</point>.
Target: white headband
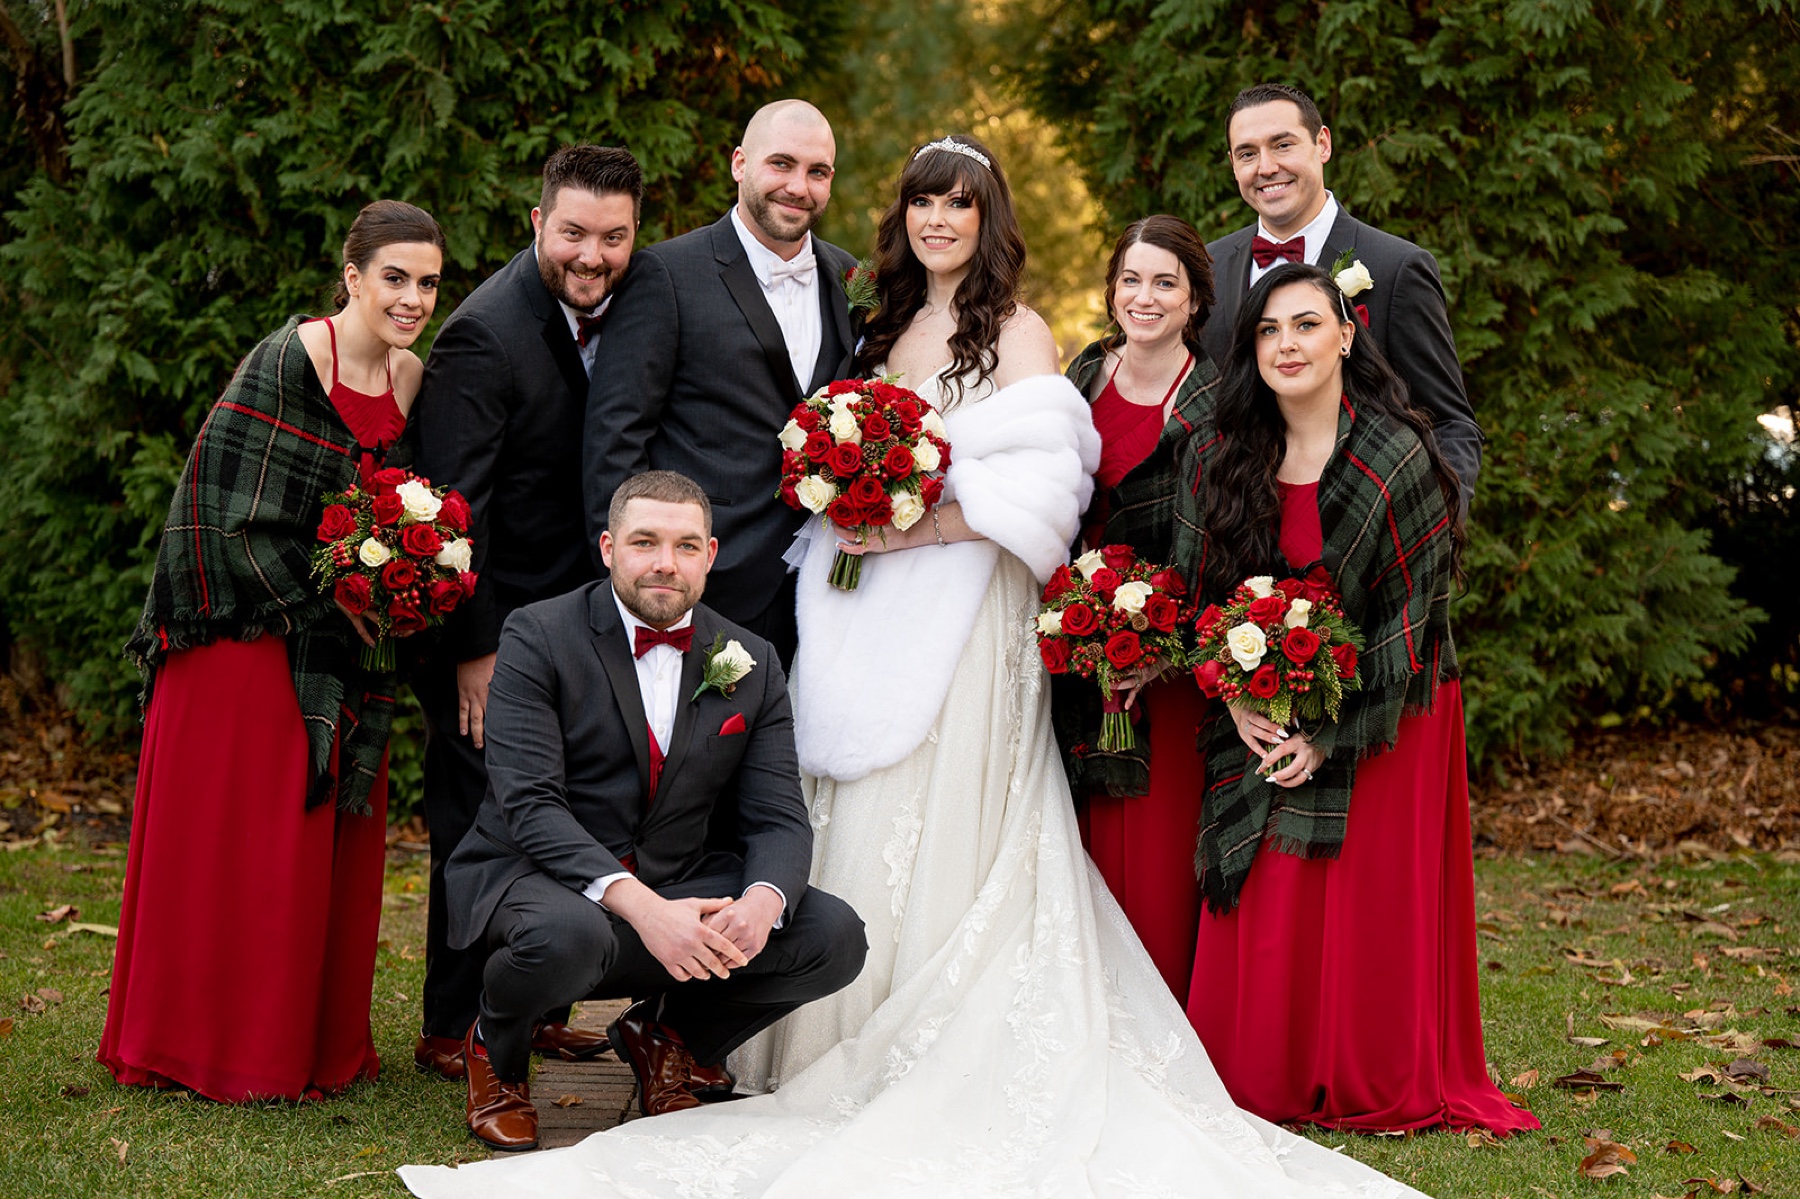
<point>945,143</point>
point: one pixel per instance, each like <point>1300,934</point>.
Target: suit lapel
<point>557,337</point>
<point>740,281</point>
<point>621,671</point>
<point>1342,237</point>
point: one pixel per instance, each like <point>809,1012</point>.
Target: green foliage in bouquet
<point>1613,196</point>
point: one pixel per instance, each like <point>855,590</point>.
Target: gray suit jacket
<point>568,758</point>
<point>694,376</point>
<point>1407,317</point>
<point>500,414</point>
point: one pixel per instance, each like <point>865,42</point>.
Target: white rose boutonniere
<point>728,663</point>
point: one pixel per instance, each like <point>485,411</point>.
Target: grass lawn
<point>1651,971</point>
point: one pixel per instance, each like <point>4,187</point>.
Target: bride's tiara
<point>944,143</point>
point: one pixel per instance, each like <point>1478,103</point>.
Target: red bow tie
<point>1266,252</point>
<point>586,327</point>
<point>647,638</point>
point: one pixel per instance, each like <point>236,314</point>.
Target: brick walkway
<point>577,1098</point>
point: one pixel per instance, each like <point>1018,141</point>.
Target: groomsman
<point>1279,146</point>
<point>500,416</point>
<point>713,339</point>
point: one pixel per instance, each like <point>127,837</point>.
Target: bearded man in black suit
<point>500,416</point>
<point>714,337</point>
<point>1279,146</point>
<point>622,717</point>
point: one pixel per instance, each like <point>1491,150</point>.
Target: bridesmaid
<point>1146,381</point>
<point>1335,977</point>
<point>253,885</point>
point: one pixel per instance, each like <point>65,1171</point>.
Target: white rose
<point>373,553</point>
<point>844,427</point>
<point>1089,562</point>
<point>1261,586</point>
<point>1298,613</point>
<point>815,493</point>
<point>792,436</point>
<point>933,424</point>
<point>1129,597</point>
<point>733,662</point>
<point>926,456</point>
<point>1050,623</point>
<point>418,501</point>
<point>1247,645</point>
<point>455,554</point>
<point>1354,279</point>
<point>908,508</point>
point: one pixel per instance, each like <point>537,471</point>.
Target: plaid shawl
<point>235,559</point>
<point>1387,546</point>
<point>1139,512</point>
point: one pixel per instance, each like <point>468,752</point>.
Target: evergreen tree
<point>1609,189</point>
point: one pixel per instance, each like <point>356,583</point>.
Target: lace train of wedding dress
<point>1008,1037</point>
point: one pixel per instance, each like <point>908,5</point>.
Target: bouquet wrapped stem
<point>1116,732</point>
<point>379,658</point>
<point>846,571</point>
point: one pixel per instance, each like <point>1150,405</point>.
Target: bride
<point>1008,1036</point>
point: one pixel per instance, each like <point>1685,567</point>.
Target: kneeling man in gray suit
<point>618,734</point>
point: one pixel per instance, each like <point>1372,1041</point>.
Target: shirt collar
<point>762,259</point>
<point>1315,231</point>
<point>573,315</point>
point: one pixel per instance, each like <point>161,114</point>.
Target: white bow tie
<point>800,269</point>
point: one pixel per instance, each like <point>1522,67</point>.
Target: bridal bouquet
<point>394,548</point>
<point>1111,614</point>
<point>1282,649</point>
<point>865,454</point>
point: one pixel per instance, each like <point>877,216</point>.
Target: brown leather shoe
<point>442,1056</point>
<point>569,1043</point>
<point>660,1062</point>
<point>499,1113</point>
<point>711,1084</point>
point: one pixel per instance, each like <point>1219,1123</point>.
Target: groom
<point>713,338</point>
<point>614,730</point>
<point>1279,145</point>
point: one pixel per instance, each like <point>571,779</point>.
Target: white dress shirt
<point>794,303</point>
<point>1315,233</point>
<point>572,315</point>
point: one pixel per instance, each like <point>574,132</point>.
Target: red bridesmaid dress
<point>247,931</point>
<point>1343,992</point>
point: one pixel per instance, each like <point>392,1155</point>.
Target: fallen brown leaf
<point>1741,1069</point>
<point>1525,1080</point>
<point>32,1003</point>
<point>1726,1097</point>
<point>1703,1074</point>
<point>1679,1147</point>
<point>1777,1124</point>
<point>1585,1079</point>
<point>58,914</point>
<point>568,1101</point>
<point>6,1026</point>
<point>1605,1158</point>
<point>50,995</point>
<point>120,1147</point>
<point>73,1091</point>
<point>1779,1043</point>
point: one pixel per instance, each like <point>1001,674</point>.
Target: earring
<point>1346,352</point>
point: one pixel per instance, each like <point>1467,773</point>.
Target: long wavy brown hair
<point>988,295</point>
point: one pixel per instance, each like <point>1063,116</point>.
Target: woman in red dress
<point>253,886</point>
<point>1147,383</point>
<point>1335,974</point>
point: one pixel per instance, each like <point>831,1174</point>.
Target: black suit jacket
<point>1407,318</point>
<point>568,758</point>
<point>694,376</point>
<point>500,416</point>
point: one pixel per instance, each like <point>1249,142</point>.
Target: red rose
<point>1161,612</point>
<point>789,495</point>
<point>885,392</point>
<point>387,508</point>
<point>445,595</point>
<point>1169,581</point>
<point>466,580</point>
<point>876,428</point>
<point>1055,652</point>
<point>844,513</point>
<point>1119,557</point>
<point>898,464</point>
<point>838,387</point>
<point>1209,675</point>
<point>1209,619</point>
<point>455,511</point>
<point>865,492</point>
<point>337,523</point>
<point>1300,645</point>
<point>845,460</point>
<point>1060,584</point>
<point>880,513</point>
<point>1292,589</point>
<point>1345,657</point>
<point>406,618</point>
<point>1268,609</point>
<point>399,573</point>
<point>943,448</point>
<point>818,446</point>
<point>1105,581</point>
<point>1123,649</point>
<point>421,541</point>
<point>354,593</point>
<point>386,480</point>
<point>1319,585</point>
<point>1265,682</point>
<point>909,415</point>
<point>1078,620</point>
<point>931,490</point>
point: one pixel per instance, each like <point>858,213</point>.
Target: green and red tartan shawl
<point>1387,545</point>
<point>235,559</point>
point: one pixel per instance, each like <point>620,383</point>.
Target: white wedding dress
<point>1008,1035</point>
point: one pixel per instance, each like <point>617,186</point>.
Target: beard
<point>776,223</point>
<point>656,608</point>
<point>559,282</point>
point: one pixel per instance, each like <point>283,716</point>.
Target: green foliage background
<point>1610,189</point>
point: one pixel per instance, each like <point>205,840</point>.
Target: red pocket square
<point>733,724</point>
